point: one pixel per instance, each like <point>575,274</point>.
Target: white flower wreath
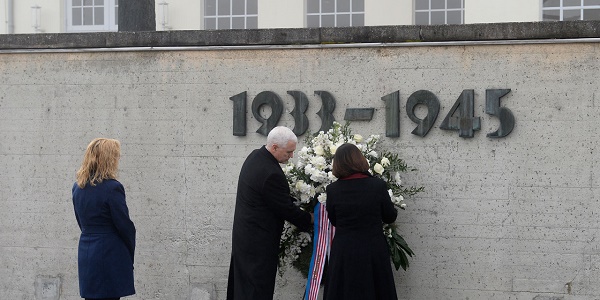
<point>311,174</point>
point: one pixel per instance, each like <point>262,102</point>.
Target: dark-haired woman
<point>357,205</point>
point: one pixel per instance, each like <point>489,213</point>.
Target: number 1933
<point>460,118</point>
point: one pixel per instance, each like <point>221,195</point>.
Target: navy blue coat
<point>107,242</point>
<point>262,204</point>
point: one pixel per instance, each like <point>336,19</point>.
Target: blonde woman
<point>107,241</point>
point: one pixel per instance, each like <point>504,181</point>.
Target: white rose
<point>403,205</point>
<point>378,168</point>
<point>385,162</point>
<point>319,150</point>
<point>333,148</point>
<point>373,153</point>
<point>358,138</point>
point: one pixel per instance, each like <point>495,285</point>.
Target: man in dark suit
<point>262,204</point>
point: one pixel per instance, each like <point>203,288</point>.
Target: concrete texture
<point>303,36</point>
<point>508,218</point>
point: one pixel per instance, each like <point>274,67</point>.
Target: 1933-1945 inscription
<point>460,117</point>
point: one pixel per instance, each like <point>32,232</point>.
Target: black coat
<point>107,242</point>
<point>359,264</point>
<point>262,204</point>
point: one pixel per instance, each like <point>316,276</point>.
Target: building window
<point>567,10</point>
<point>434,12</point>
<point>92,15</point>
<point>335,13</point>
<point>230,14</point>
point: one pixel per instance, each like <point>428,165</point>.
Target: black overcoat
<point>262,204</point>
<point>359,264</point>
<point>107,242</point>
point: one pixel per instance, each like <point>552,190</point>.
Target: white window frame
<point>582,7</point>
<point>230,16</point>
<point>445,10</point>
<point>351,13</point>
<point>110,16</point>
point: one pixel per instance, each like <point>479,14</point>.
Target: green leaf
<point>396,257</point>
<point>403,260</point>
<point>399,240</point>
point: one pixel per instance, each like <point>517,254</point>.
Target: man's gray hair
<point>280,136</point>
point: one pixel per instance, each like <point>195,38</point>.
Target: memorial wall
<point>500,122</point>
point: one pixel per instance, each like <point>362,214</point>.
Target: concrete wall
<point>508,218</point>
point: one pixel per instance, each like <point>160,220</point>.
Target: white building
<point>55,16</point>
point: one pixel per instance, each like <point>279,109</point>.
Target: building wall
<point>389,12</point>
<point>500,218</point>
<point>502,11</point>
<point>187,14</point>
<point>281,14</point>
<point>182,15</point>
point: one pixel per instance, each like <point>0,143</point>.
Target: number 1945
<point>460,117</point>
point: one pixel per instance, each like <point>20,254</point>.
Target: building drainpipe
<point>10,17</point>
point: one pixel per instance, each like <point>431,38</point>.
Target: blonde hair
<point>100,162</point>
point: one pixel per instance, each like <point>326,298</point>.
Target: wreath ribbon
<point>322,238</point>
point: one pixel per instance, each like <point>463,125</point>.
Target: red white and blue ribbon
<point>322,238</point>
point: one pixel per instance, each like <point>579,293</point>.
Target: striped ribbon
<point>323,235</point>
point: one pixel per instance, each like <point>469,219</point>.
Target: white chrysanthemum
<point>373,139</point>
<point>319,150</point>
<point>309,169</point>
<point>303,187</point>
<point>322,198</point>
<point>318,176</point>
<point>300,164</point>
<point>319,162</point>
<point>304,152</point>
<point>331,177</point>
<point>305,198</point>
<point>332,149</point>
